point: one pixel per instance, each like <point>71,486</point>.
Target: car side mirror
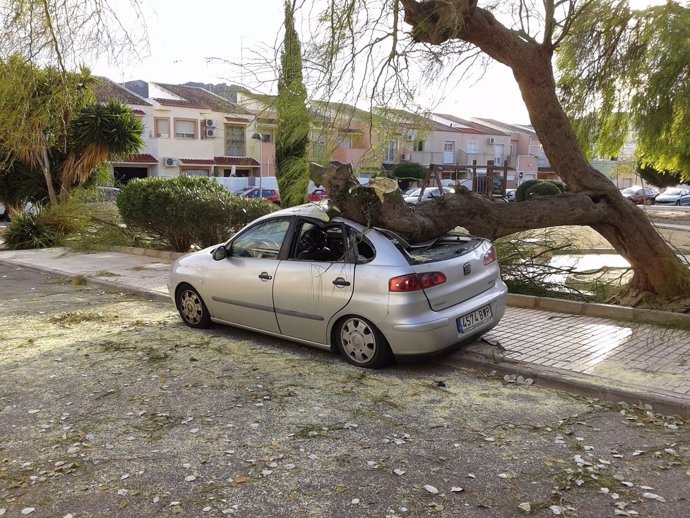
<point>220,253</point>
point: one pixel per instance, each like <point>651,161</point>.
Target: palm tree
<point>99,132</point>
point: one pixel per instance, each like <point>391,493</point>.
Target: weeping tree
<point>52,124</point>
<point>292,133</point>
<point>626,71</point>
<point>445,34</point>
<point>42,84</point>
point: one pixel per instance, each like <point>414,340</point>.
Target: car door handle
<point>341,283</point>
<point>265,277</point>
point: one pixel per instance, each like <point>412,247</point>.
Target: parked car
<point>430,193</point>
<point>338,285</point>
<point>318,195</point>
<point>672,196</point>
<point>271,195</point>
<point>640,195</point>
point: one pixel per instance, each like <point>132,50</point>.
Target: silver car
<point>338,285</point>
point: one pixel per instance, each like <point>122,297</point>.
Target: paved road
<point>111,407</point>
<point>612,359</point>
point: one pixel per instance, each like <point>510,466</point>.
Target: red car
<point>318,195</point>
<point>271,195</point>
<point>640,195</point>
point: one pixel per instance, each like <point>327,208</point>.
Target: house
<point>188,131</point>
<point>526,155</point>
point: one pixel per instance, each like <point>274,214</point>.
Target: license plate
<point>473,319</point>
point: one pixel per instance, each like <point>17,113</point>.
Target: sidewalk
<point>563,345</point>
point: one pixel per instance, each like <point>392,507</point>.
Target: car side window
<point>262,241</point>
<point>364,250</point>
<point>320,243</point>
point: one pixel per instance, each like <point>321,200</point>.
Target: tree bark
<point>594,201</point>
<point>45,167</point>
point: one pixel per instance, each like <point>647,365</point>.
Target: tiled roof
<point>196,161</point>
<point>105,89</point>
<point>203,98</point>
<point>139,112</point>
<point>236,160</point>
<point>139,159</point>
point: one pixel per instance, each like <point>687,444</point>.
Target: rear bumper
<point>433,332</point>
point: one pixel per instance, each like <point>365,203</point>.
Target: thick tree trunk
<point>595,201</point>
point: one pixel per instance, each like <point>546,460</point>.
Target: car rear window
<point>443,248</point>
<point>440,249</point>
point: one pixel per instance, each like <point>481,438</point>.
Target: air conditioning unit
<point>211,133</point>
<point>491,140</point>
<point>406,156</point>
<point>170,162</point>
<point>209,123</point>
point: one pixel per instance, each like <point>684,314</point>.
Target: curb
<point>610,311</point>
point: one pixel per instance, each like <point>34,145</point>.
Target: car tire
<point>361,343</point>
<point>192,308</point>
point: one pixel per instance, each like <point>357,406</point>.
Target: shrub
<point>561,186</point>
<point>408,172</point>
<point>542,189</point>
<point>31,230</point>
<point>522,189</point>
<point>186,210</point>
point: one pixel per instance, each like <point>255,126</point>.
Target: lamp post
<point>259,137</point>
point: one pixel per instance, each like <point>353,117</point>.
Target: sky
<point>206,40</point>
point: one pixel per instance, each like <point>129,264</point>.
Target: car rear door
<point>308,292</point>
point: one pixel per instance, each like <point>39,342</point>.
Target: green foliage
<point>522,189</point>
<point>31,230</point>
<point>292,133</point>
<point>100,132</point>
<point>186,210</point>
<point>20,184</point>
<point>660,179</point>
<point>542,189</point>
<point>561,186</point>
<point>632,66</point>
<point>410,171</point>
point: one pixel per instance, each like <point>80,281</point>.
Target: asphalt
<point>610,353</point>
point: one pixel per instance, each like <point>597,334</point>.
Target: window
<point>472,146</point>
<point>344,141</point>
<point>318,243</point>
<point>392,151</point>
<point>262,241</point>
<point>266,137</point>
<point>161,127</point>
<point>418,145</point>
<point>186,128</point>
<point>234,141</point>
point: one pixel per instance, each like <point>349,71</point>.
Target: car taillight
<point>490,256</point>
<point>413,282</point>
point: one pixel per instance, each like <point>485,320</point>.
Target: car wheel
<point>192,308</point>
<point>362,343</point>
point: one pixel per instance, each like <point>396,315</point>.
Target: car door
<point>241,286</point>
<point>309,289</point>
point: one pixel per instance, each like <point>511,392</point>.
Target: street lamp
<point>259,137</point>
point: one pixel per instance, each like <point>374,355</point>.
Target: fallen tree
<point>592,199</point>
